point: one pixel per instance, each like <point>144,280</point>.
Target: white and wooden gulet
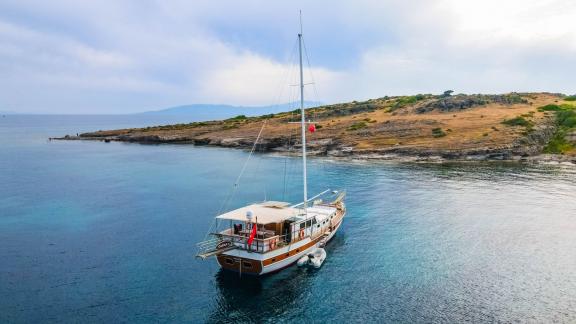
<point>265,237</point>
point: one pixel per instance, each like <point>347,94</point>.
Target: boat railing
<point>227,240</point>
<point>258,245</point>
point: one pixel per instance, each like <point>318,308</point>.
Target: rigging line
<point>317,98</point>
<point>311,73</point>
<point>237,182</point>
<point>286,75</point>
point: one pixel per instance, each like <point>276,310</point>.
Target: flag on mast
<point>252,234</point>
<point>312,128</point>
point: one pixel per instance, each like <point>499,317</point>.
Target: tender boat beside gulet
<point>266,237</point>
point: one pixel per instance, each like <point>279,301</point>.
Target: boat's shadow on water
<point>256,299</point>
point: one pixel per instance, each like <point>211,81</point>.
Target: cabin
<point>278,225</point>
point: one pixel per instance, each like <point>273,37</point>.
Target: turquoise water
<point>106,232</point>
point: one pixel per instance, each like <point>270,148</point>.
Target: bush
<point>566,121</point>
<point>357,126</point>
<point>550,108</point>
<point>446,93</point>
<point>558,144</point>
<point>239,117</point>
<point>566,118</point>
<point>570,98</point>
<point>406,100</point>
<point>438,132</point>
<point>517,121</point>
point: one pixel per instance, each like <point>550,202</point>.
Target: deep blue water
<point>106,232</point>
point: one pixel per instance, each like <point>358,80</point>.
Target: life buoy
<point>301,233</point>
<point>272,244</point>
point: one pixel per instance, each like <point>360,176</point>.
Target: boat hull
<point>257,264</point>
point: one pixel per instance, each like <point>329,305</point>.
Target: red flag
<point>312,128</point>
<point>252,234</point>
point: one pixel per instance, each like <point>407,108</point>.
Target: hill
<point>423,126</point>
<point>203,112</point>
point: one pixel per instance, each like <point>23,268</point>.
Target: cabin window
<point>308,223</point>
<point>229,261</point>
<point>247,265</point>
<point>302,225</point>
<point>314,221</point>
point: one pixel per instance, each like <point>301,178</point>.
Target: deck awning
<point>264,213</point>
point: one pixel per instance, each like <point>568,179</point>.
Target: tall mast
<point>303,117</point>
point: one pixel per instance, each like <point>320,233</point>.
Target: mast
<point>303,117</point>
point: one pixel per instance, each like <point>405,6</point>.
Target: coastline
<point>395,154</point>
<point>419,128</point>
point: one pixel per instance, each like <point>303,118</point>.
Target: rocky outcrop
<point>460,102</point>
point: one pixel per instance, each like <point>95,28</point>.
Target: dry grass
<point>465,129</point>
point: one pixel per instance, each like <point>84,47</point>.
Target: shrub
<point>570,98</point>
<point>438,132</point>
<point>517,121</point>
<point>566,118</point>
<point>230,126</point>
<point>566,121</point>
<point>446,93</point>
<point>558,144</point>
<point>550,107</point>
<point>406,100</point>
<point>357,126</point>
<point>239,117</point>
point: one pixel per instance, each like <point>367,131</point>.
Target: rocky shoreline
<point>527,149</point>
<point>428,128</point>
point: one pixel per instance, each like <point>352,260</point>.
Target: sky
<point>122,56</point>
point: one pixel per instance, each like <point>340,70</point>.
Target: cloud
<point>128,56</point>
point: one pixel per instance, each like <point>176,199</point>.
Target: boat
<point>314,258</point>
<point>268,236</point>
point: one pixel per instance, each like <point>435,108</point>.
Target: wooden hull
<point>252,263</point>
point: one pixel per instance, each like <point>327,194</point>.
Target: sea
<point>95,232</point>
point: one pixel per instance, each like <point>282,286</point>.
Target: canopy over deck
<point>263,213</point>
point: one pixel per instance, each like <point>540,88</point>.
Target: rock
<point>571,137</point>
<point>231,142</point>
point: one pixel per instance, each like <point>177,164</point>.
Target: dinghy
<point>303,261</point>
<point>317,257</point>
<point>314,258</point>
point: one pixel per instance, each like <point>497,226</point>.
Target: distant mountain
<point>202,112</point>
